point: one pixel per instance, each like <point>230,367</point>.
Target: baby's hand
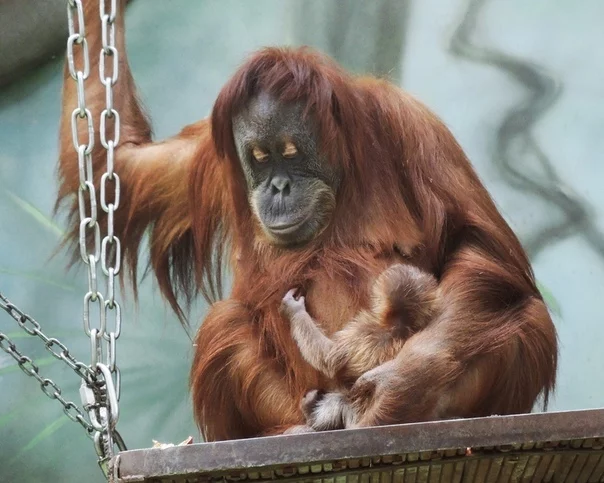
<point>290,305</point>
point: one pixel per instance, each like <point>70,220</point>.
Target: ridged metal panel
<point>551,447</point>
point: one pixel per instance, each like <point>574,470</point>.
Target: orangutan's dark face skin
<point>291,186</point>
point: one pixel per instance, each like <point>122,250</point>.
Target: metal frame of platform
<point>559,447</point>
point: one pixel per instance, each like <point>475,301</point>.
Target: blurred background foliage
<point>519,83</point>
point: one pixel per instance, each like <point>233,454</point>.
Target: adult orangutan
<point>305,177</point>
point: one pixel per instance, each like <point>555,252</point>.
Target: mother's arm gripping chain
<point>153,176</point>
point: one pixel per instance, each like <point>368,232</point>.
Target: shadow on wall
<point>32,32</point>
<point>516,142</point>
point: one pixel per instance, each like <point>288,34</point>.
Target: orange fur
<point>408,192</point>
<point>404,300</point>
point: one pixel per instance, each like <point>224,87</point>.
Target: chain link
<point>103,413</point>
<point>29,367</point>
<point>111,252</point>
<point>101,383</point>
<point>32,327</point>
<point>98,391</point>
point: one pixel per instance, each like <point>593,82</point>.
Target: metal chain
<point>30,368</point>
<point>87,201</point>
<point>47,386</point>
<point>29,325</point>
<point>100,388</point>
<point>96,391</point>
<point>100,399</point>
<point>111,252</point>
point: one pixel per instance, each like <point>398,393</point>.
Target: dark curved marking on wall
<point>515,140</point>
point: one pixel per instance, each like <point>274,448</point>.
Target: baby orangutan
<point>404,300</point>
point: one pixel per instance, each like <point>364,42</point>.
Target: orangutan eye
<point>259,155</point>
<point>290,150</point>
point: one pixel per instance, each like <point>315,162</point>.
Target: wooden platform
<point>556,447</point>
